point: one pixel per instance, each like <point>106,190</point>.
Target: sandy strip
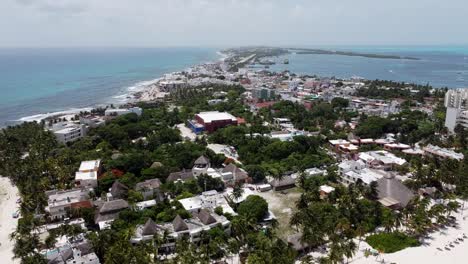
<point>8,196</point>
<point>432,251</point>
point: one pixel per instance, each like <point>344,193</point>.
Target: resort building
<point>233,175</point>
<point>68,132</point>
<point>456,101</point>
<point>392,193</point>
<point>211,121</point>
<point>60,203</point>
<point>123,111</point>
<point>88,173</point>
<point>191,229</point>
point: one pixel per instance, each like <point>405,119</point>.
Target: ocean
<point>40,81</point>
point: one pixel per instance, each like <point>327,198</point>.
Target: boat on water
<point>286,61</point>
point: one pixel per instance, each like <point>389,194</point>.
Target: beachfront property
<point>108,212</point>
<point>67,131</point>
<point>123,111</point>
<point>211,121</point>
<point>179,228</point>
<point>431,150</point>
<point>392,193</point>
<point>73,251</point>
<point>60,203</point>
<point>172,85</point>
<point>88,173</point>
<point>456,101</point>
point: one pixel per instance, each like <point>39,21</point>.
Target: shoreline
<point>8,196</point>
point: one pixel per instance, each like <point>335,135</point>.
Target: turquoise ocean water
<point>37,81</point>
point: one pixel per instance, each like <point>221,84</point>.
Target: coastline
<point>8,196</point>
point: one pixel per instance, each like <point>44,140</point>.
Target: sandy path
<point>8,196</point>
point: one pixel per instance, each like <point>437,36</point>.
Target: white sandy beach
<point>428,253</point>
<point>8,196</point>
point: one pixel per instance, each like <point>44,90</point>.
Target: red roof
<point>82,204</point>
<point>240,120</point>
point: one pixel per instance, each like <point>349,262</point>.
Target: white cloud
<point>231,22</point>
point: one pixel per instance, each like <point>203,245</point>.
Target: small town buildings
<point>68,132</point>
<point>211,121</point>
<point>283,123</point>
<point>60,203</point>
<point>381,159</point>
<point>432,150</point>
<point>150,189</point>
<point>72,252</point>
<point>393,193</point>
<point>88,173</point>
<point>108,212</point>
<point>123,111</point>
<point>92,121</point>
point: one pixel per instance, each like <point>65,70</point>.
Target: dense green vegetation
<point>391,242</point>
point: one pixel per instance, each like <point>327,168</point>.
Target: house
<point>88,173</point>
<point>238,175</point>
<point>108,212</point>
<point>59,203</point>
<point>314,172</point>
<point>183,175</point>
<point>150,189</point>
<point>325,190</point>
<point>392,193</point>
<point>286,182</point>
<point>117,191</point>
<point>200,166</point>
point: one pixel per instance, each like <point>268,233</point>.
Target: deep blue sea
<point>38,81</point>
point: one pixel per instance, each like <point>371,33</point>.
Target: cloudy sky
<point>232,22</point>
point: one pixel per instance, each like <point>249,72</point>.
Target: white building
<point>87,174</point>
<point>207,200</point>
<point>59,203</point>
<point>123,111</point>
<point>442,152</point>
<point>456,101</point>
<point>68,132</point>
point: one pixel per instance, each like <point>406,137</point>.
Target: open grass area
<point>391,242</point>
<point>283,205</point>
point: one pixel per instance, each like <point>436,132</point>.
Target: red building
<point>211,121</point>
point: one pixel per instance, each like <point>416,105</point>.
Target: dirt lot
<point>282,206</point>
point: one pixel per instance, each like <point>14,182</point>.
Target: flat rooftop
<point>209,117</point>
